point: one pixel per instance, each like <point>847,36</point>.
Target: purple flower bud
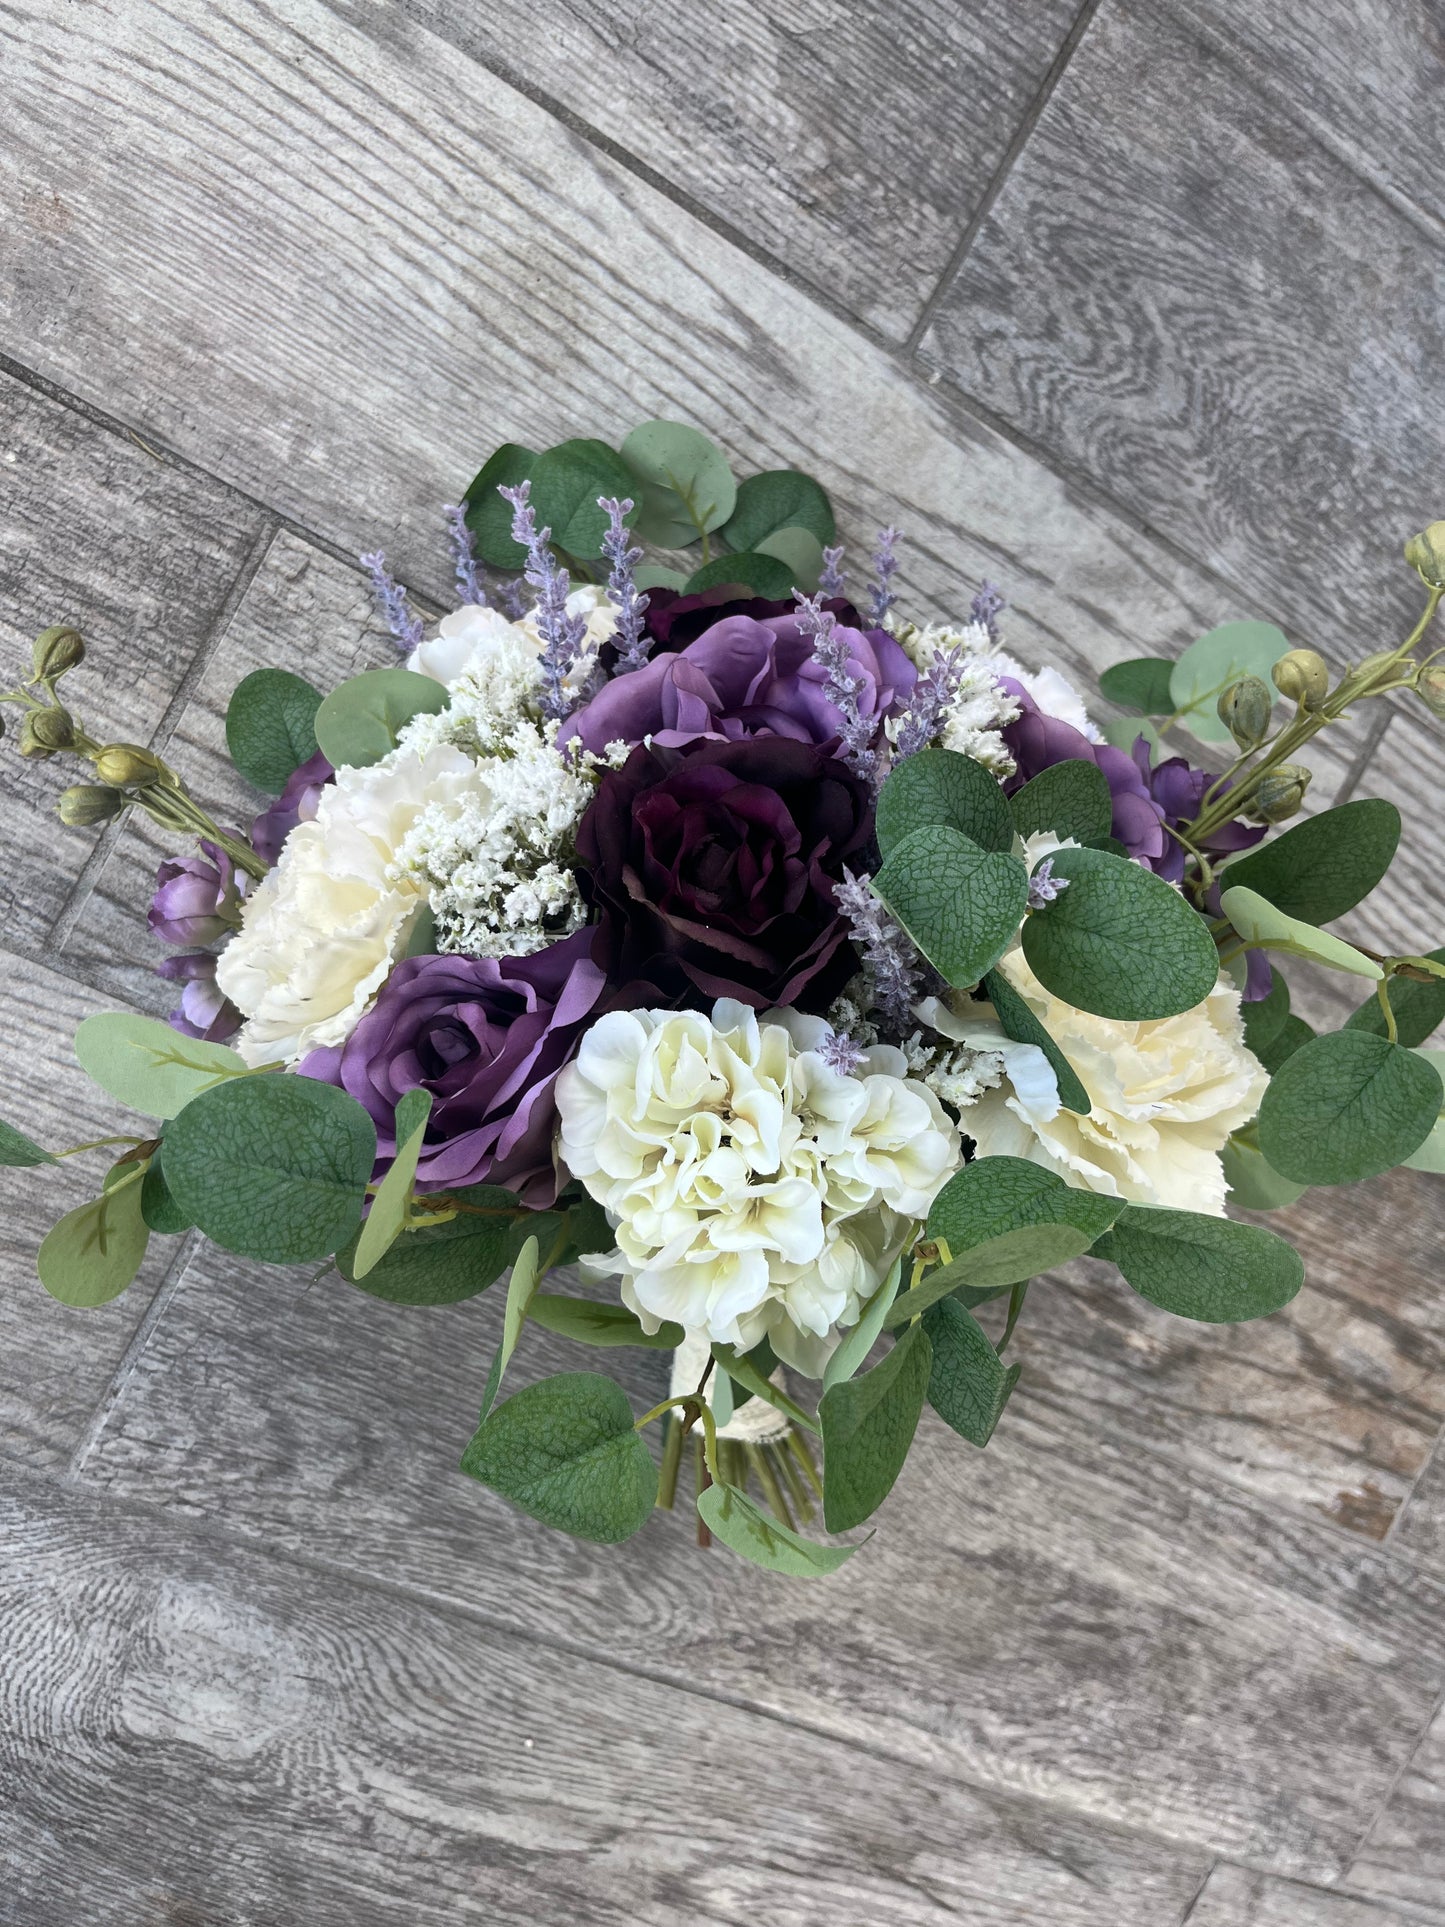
<point>197,899</point>
<point>296,804</point>
<point>203,1011</point>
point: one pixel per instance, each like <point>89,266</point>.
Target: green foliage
<point>997,1194</point>
<point>1207,668</point>
<point>1347,1106</point>
<point>1122,732</point>
<point>1010,1258</point>
<point>490,518</point>
<point>361,720</point>
<point>960,904</point>
<point>387,1217</point>
<point>520,1289</point>
<point>868,1425</point>
<point>271,726</point>
<point>781,498</point>
<point>272,1167</point>
<point>856,1343</point>
<point>1143,683</point>
<point>1431,1154</point>
<point>800,551</point>
<point>1200,1267</point>
<point>1070,798</point>
<point>1418,1008</point>
<point>1293,1032</point>
<point>743,1527</point>
<point>1020,1023</point>
<point>566,483</point>
<point>147,1065</point>
<point>565,1451</point>
<point>969,1384</point>
<point>762,575</point>
<point>651,575</point>
<point>157,1206</point>
<point>741,1368</point>
<point>1119,941</point>
<point>1324,866</point>
<point>599,1321</point>
<point>442,1264</point>
<point>1264,1019</point>
<point>687,487</point>
<point>940,786</point>
<point>17,1149</point>
<point>94,1252</point>
<point>1254,1184</point>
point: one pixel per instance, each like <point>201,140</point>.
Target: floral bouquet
<point>811,977</point>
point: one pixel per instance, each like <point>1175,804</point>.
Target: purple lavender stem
<point>885,563</point>
<point>470,586</point>
<point>832,581</point>
<point>841,687</point>
<point>933,695</point>
<point>513,607</point>
<point>406,629</point>
<point>562,635</point>
<point>888,954</point>
<point>987,606</point>
<point>622,591</point>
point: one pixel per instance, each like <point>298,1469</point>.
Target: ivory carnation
<point>756,1190</point>
<point>470,640</point>
<point>1165,1096</point>
<point>320,933</point>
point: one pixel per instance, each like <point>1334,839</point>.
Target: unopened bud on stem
<point>1425,554</point>
<point>1304,676</point>
<point>1430,683</point>
<point>45,731</point>
<point>1281,792</point>
<point>127,766</point>
<point>57,650</point>
<point>85,804</point>
<point>1244,709</point>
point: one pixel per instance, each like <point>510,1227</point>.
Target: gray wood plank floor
<point>1134,309</point>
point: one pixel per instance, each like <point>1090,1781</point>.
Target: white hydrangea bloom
<point>472,641</point>
<point>320,933</point>
<point>1165,1096</point>
<point>756,1190</point>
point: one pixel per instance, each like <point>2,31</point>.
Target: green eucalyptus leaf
<point>387,1217</point>
<point>1322,867</point>
<point>520,1289</point>
<point>95,1251</point>
<point>272,1167</point>
<point>1071,799</point>
<point>17,1149</point>
<point>1119,941</point>
<point>1418,1008</point>
<point>565,1451</point>
<point>1264,1019</point>
<point>1259,922</point>
<point>157,1205</point>
<point>868,1425</point>
<point>1254,1184</point>
<point>940,786</point>
<point>960,904</point>
<point>1123,732</point>
<point>651,575</point>
<point>997,1194</point>
<point>782,498</point>
<point>1207,668</point>
<point>1293,1032</point>
<point>1347,1106</point>
<point>271,727</point>
<point>856,1343</point>
<point>762,575</point>
<point>566,483</point>
<point>986,1269</point>
<point>800,552</point>
<point>599,1321</point>
<point>743,1527</point>
<point>969,1384</point>
<point>489,517</point>
<point>361,720</point>
<point>147,1065</point>
<point>442,1264</point>
<point>1431,1154</point>
<point>686,484</point>
<point>740,1368</point>
<point>1020,1023</point>
<point>1143,683</point>
<point>1201,1267</point>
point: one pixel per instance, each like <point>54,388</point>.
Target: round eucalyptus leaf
<point>1322,867</point>
<point>1207,668</point>
<point>361,720</point>
<point>1202,1267</point>
<point>490,518</point>
<point>742,1525</point>
<point>1071,798</point>
<point>652,575</point>
<point>1347,1106</point>
<point>147,1065</point>
<point>94,1252</point>
<point>566,483</point>
<point>940,786</point>
<point>1142,683</point>
<point>687,487</point>
<point>157,1205</point>
<point>800,551</point>
<point>271,726</point>
<point>1254,1184</point>
<point>1123,732</point>
<point>960,904</point>
<point>781,498</point>
<point>762,575</point>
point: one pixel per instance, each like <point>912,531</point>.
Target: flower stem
<point>1382,991</point>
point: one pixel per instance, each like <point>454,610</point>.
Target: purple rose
<point>296,804</point>
<point>203,1011</point>
<point>674,618</point>
<point>711,870</point>
<point>197,899</point>
<point>744,676</point>
<point>487,1037</point>
<point>1179,791</point>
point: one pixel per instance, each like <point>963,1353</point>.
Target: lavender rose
<point>745,676</point>
<point>296,804</point>
<point>197,899</point>
<point>203,1011</point>
<point>487,1037</point>
<point>711,870</point>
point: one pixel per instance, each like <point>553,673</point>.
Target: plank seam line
<point>1435,1452</point>
<point>1404,1767</point>
<point>1082,21</point>
<point>1374,737</point>
<point>1198,1895</point>
<point>69,915</point>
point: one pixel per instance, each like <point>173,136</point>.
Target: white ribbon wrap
<point>756,1423</point>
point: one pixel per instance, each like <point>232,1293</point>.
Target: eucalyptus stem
<point>671,1460</point>
<point>1382,991</point>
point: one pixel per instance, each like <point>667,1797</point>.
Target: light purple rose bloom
<point>204,1011</point>
<point>296,804</point>
<point>197,899</point>
<point>744,677</point>
<point>487,1037</point>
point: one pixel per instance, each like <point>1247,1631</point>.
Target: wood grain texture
<point>1101,1627</point>
<point>853,144</point>
<point>209,1738</point>
<point>1233,1897</point>
<point>1180,293</point>
<point>1406,914</point>
<point>1403,1856</point>
<point>55,1362</point>
<point>140,555</point>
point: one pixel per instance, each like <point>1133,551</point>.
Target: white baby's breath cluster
<point>756,1190</point>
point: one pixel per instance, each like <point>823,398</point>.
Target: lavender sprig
<point>1044,886</point>
<point>510,594</point>
<point>470,586</point>
<point>562,635</point>
<point>885,564</point>
<point>894,966</point>
<point>833,581</point>
<point>933,695</point>
<point>406,628</point>
<point>987,606</point>
<point>628,638</point>
<point>840,686</point>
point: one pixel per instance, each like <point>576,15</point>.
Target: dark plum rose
<point>296,804</point>
<point>487,1037</point>
<point>674,618</point>
<point>745,675</point>
<point>711,870</point>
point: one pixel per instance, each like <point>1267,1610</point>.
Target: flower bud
<point>1281,792</point>
<point>56,650</point>
<point>30,743</point>
<point>85,804</point>
<point>53,727</point>
<point>1304,676</point>
<point>1425,554</point>
<point>127,766</point>
<point>1244,708</point>
<point>1430,683</point>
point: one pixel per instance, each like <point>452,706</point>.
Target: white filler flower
<point>756,1191</point>
<point>1165,1096</point>
<point>473,640</point>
